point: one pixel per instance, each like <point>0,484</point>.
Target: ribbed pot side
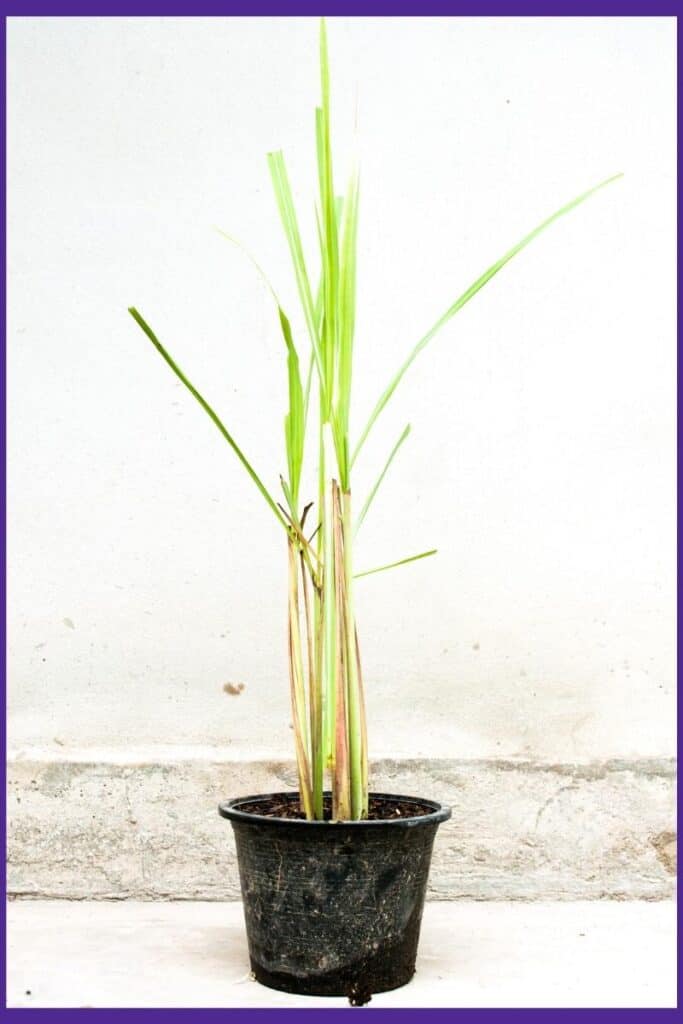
<point>333,909</point>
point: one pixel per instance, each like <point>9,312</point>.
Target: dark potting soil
<point>378,810</point>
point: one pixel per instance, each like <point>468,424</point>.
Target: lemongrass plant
<point>326,683</point>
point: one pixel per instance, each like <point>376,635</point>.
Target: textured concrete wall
<point>519,830</point>
<point>144,570</point>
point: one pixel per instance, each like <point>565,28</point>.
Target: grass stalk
<point>297,688</point>
<point>329,639</point>
<point>342,802</point>
<point>363,728</point>
<point>354,696</point>
<point>314,690</point>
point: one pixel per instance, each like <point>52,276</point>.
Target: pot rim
<point>230,809</point>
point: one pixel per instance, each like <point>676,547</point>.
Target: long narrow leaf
<point>285,202</point>
<point>295,420</point>
<point>209,411</point>
<point>318,311</point>
<point>380,478</point>
<point>393,565</point>
<point>328,229</point>
<point>347,317</point>
<point>465,297</point>
<point>257,266</point>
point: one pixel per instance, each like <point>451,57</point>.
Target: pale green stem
<point>314,694</point>
<point>364,729</point>
<point>320,762</point>
<point>341,779</point>
<point>355,715</point>
<point>298,695</point>
<point>318,755</point>
<point>329,674</point>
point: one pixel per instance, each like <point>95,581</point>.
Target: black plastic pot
<point>333,909</point>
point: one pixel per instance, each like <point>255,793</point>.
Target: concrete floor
<point>128,954</point>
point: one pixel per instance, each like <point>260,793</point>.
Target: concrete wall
<point>144,571</point>
<point>519,830</point>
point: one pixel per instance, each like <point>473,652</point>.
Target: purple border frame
<point>348,8</point>
<point>295,8</point>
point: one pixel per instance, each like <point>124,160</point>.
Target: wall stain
<point>234,689</point>
<point>665,848</point>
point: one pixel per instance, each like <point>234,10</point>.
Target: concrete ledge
<point>520,830</point>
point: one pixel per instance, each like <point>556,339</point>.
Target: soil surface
<point>379,809</point>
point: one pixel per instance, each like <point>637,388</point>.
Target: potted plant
<point>333,876</point>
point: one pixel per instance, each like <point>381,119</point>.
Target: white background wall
<point>145,572</point>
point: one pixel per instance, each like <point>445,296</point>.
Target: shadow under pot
<point>333,909</point>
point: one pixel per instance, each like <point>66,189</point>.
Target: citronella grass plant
<point>326,683</point>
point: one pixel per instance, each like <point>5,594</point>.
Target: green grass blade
<point>393,565</point>
<point>209,411</point>
<point>307,391</point>
<point>380,478</point>
<point>286,491</point>
<point>318,310</point>
<point>328,228</point>
<point>330,674</point>
<point>285,202</point>
<point>466,296</point>
<point>294,421</point>
<point>257,266</point>
<point>347,318</point>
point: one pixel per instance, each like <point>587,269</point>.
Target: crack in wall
<point>551,800</point>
